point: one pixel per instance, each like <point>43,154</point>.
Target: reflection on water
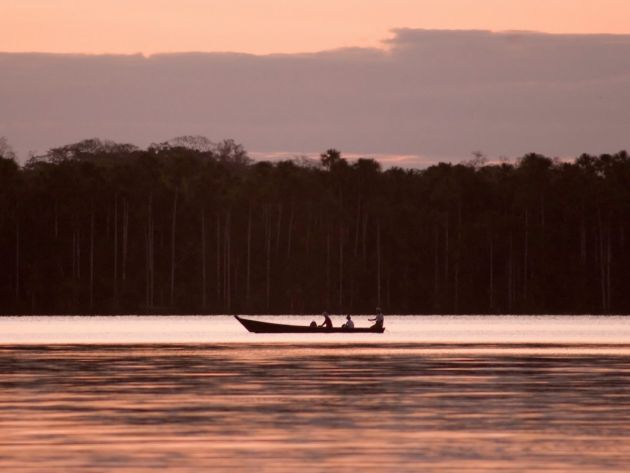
<point>314,407</point>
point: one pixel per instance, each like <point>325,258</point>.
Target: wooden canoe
<point>257,326</point>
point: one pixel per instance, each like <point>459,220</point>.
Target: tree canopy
<point>192,226</point>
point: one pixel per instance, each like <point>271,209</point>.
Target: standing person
<point>349,323</point>
<point>327,322</point>
<point>379,319</point>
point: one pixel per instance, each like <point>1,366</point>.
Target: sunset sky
<point>278,26</point>
<point>409,82</point>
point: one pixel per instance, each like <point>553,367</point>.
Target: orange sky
<point>273,26</point>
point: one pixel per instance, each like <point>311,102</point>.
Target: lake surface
<point>191,394</point>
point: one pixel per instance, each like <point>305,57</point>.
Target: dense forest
<point>190,226</point>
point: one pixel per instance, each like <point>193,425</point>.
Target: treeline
<point>189,226</point>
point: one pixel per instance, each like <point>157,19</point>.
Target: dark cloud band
<point>437,94</point>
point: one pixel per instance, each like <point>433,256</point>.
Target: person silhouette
<point>327,322</point>
<point>379,319</point>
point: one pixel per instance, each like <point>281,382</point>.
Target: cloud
<point>427,94</point>
<point>386,160</point>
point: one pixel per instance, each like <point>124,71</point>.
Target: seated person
<point>327,322</point>
<point>379,319</point>
<point>349,323</point>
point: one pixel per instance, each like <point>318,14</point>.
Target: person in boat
<point>327,322</point>
<point>379,319</point>
<point>349,323</point>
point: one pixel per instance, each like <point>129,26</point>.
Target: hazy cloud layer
<point>431,94</point>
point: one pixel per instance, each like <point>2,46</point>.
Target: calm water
<point>192,394</point>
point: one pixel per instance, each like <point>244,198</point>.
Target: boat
<point>258,326</point>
